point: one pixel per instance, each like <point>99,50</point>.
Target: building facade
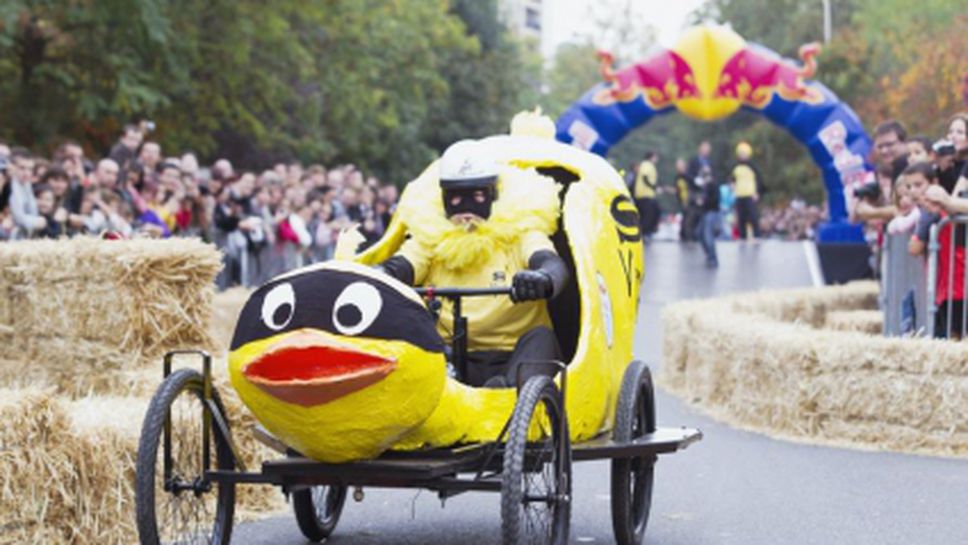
<point>525,18</point>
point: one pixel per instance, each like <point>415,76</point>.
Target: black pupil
<point>281,314</point>
<point>349,315</point>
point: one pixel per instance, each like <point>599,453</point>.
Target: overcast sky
<point>566,19</point>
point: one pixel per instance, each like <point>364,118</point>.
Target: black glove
<point>531,285</point>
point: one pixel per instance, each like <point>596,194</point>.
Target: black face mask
<point>467,204</point>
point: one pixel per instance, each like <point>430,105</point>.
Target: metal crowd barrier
<point>903,295</point>
<point>957,239</point>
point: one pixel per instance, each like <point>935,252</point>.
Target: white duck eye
<point>356,308</point>
<point>278,307</point>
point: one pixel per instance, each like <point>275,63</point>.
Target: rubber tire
<point>538,389</point>
<point>634,416</point>
<point>304,508</point>
<point>182,380</point>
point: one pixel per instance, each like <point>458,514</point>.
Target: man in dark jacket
<point>710,224</point>
<point>692,217</point>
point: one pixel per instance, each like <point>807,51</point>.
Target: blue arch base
<point>829,129</point>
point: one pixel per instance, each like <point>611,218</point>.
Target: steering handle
<point>462,292</point>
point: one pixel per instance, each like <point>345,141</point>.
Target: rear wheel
<point>180,505</point>
<point>536,482</point>
<point>317,510</point>
<point>632,478</point>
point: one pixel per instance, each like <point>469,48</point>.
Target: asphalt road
<point>734,487</point>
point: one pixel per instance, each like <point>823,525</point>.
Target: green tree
<point>572,72</point>
<point>335,80</point>
<point>489,82</point>
<point>246,66</point>
<point>379,67</point>
<point>74,68</point>
<point>902,61</point>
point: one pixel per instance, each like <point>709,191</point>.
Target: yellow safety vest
<point>646,179</point>
<point>745,178</point>
<point>494,322</point>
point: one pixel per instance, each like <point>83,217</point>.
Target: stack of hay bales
<point>83,325</point>
<point>67,468</point>
<point>87,308</point>
<point>764,362</point>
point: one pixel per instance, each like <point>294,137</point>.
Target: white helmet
<point>467,163</point>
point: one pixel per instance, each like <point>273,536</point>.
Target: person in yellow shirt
<point>682,184</point>
<point>644,193</point>
<point>502,332</point>
<point>749,187</point>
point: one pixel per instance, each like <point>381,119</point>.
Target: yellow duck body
<point>404,400</point>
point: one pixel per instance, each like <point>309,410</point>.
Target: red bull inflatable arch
<point>711,73</point>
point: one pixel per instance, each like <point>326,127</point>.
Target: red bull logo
<point>753,76</point>
<point>662,80</point>
<point>710,73</point>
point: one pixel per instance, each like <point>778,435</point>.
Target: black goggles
<point>469,200</point>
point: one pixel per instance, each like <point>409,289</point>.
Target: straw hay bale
<point>226,308</point>
<point>62,482</point>
<point>807,305</point>
<point>85,314</point>
<point>90,302</point>
<point>83,324</point>
<point>67,468</point>
<point>760,362</point>
<point>864,321</point>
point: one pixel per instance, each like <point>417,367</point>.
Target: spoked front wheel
<point>536,482</point>
<point>175,503</point>
<point>317,510</point>
<point>632,478</point>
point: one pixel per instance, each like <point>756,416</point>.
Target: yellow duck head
<point>337,360</point>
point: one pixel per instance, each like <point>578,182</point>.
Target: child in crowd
<point>949,287</point>
<point>93,223</point>
<point>919,149</point>
<point>907,210</point>
<point>901,228</point>
<point>918,177</point>
<point>47,207</point>
<point>119,215</point>
<point>158,215</point>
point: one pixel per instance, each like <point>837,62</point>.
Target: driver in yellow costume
<point>503,332</point>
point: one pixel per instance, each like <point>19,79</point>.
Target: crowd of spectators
<point>796,220</point>
<point>264,222</point>
<point>920,181</point>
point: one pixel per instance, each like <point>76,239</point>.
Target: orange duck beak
<point>309,368</point>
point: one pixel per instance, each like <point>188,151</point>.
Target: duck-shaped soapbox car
<point>345,371</point>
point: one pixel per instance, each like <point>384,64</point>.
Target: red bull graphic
<point>711,73</point>
<point>742,75</point>
<point>753,76</point>
<point>661,80</point>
